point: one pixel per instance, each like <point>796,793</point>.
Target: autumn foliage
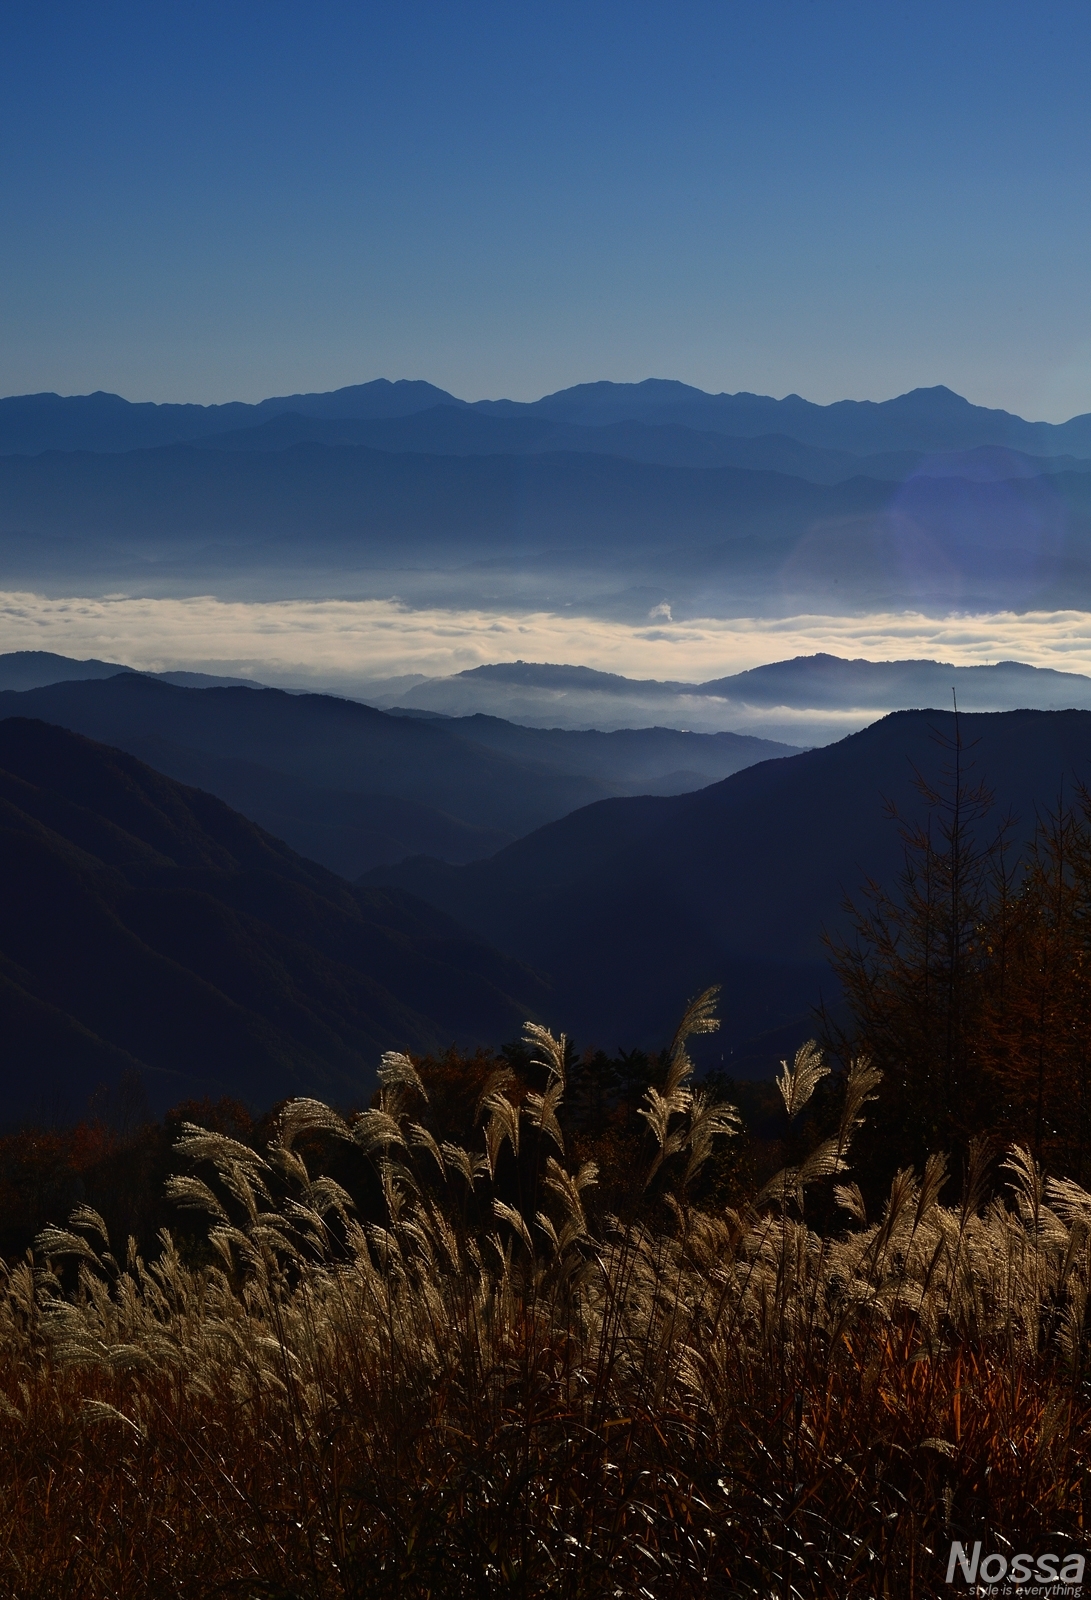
<point>967,981</point>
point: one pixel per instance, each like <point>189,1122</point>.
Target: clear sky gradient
<point>210,202</point>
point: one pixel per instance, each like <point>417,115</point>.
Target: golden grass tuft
<point>469,1387</point>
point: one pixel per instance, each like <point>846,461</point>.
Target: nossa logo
<point>1046,1574</point>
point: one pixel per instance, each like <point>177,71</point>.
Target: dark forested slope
<point>145,926</point>
<point>354,787</point>
<point>632,905</point>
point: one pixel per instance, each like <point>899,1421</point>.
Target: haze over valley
<point>962,508</point>
<point>358,540</point>
<point>286,591</point>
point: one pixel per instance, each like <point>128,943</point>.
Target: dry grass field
<point>389,1365</point>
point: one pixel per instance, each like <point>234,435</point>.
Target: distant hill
<point>32,669</point>
<point>146,928</point>
<point>630,906</point>
<point>35,669</point>
<point>353,787</point>
<point>826,681</point>
<point>530,710</point>
<point>369,503</point>
<point>828,692</point>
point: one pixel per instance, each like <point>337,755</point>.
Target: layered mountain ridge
<point>809,700</point>
<point>628,907</point>
<point>353,787</point>
<point>609,498</point>
<point>148,930</point>
<point>924,420</point>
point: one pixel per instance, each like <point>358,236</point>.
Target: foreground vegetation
<point>386,1364</point>
<point>533,1324</point>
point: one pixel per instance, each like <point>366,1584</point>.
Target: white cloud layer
<point>342,643</point>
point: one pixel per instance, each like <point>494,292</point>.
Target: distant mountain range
<point>147,929</point>
<point>923,421</point>
<point>353,787</point>
<point>808,700</point>
<point>540,531</point>
<point>628,907</point>
<point>610,496</point>
<point>31,423</point>
<point>805,701</point>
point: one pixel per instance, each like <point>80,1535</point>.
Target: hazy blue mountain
<point>558,714</point>
<point>598,531</point>
<point>343,829</point>
<point>31,423</point>
<point>449,430</point>
<point>379,398</point>
<point>34,669</point>
<point>559,676</point>
<point>145,927</point>
<point>925,420</point>
<point>367,502</point>
<point>631,906</point>
<point>608,497</point>
<point>31,669</point>
<point>202,680</point>
<point>353,787</point>
<point>930,419</point>
<point>321,743</point>
<point>832,696</point>
<point>443,430</point>
<point>983,464</point>
<point>827,681</point>
<point>654,760</point>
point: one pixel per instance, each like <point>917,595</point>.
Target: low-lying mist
<point>383,650</point>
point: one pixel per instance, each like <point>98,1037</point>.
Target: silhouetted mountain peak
<point>381,397</point>
<point>548,675</point>
<point>928,418</point>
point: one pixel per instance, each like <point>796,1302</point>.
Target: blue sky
<point>205,202</point>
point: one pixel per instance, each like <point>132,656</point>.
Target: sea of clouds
<point>347,644</point>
